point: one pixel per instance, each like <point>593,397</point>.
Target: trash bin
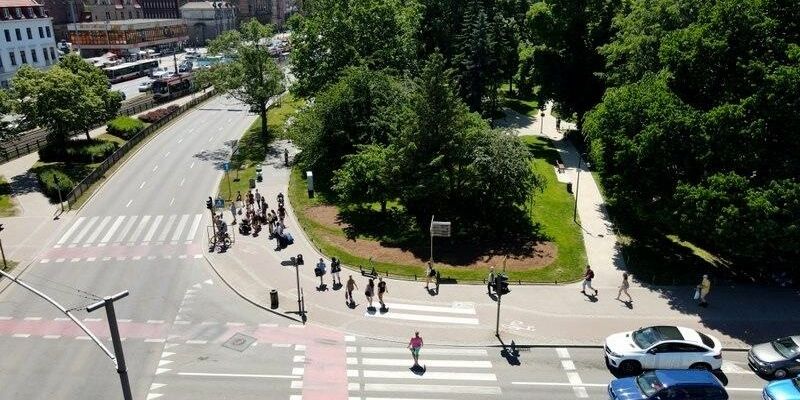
<point>273,299</point>
<point>252,183</point>
<point>569,187</point>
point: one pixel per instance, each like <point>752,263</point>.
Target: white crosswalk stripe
<point>131,229</point>
<point>437,314</point>
<point>385,373</point>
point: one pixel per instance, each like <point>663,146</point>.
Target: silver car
<point>777,359</point>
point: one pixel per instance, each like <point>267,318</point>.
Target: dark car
<point>668,385</point>
<point>777,359</point>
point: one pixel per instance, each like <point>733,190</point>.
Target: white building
<point>207,20</point>
<point>26,37</point>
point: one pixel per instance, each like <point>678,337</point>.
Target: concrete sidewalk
<point>465,314</point>
<point>36,221</point>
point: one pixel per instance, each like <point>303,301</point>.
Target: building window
<point>30,35</point>
<point>52,54</point>
<point>13,58</point>
<point>19,34</point>
<point>1,64</point>
<point>137,15</point>
<point>41,33</point>
<point>46,57</point>
<point>8,35</point>
<point>47,30</point>
<point>108,15</point>
<point>33,56</point>
<point>23,57</point>
<point>130,14</point>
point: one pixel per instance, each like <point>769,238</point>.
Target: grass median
<point>552,210</point>
<point>7,206</point>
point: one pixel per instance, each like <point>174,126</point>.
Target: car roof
<point>673,377</point>
<point>670,332</point>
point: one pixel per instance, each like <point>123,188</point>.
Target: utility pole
<point>108,303</point>
<point>1,249</point>
<point>577,187</point>
<point>300,307</point>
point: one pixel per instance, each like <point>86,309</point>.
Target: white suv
<point>662,347</point>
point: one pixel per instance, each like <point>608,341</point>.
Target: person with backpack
<point>336,267</point>
<point>370,291</point>
<point>320,271</point>
<point>429,274</point>
<point>348,294</point>
<point>587,280</point>
<point>381,291</point>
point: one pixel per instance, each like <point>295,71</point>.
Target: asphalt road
<point>143,232</point>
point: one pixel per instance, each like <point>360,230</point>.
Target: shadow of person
<point>418,369</point>
<point>351,304</point>
<point>629,304</point>
<point>383,309</point>
<point>432,291</point>
<point>322,287</point>
<point>371,310</point>
<point>337,285</point>
<point>591,297</point>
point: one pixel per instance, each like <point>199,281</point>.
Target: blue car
<point>786,389</point>
<point>668,385</point>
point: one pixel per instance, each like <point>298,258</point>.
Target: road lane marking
<point>127,228</point>
<point>165,155</point>
<point>428,363</point>
<point>85,230</point>
<point>605,385</point>
<point>129,203</point>
<point>21,335</point>
<point>139,228</point>
<point>191,166</point>
<point>423,317</point>
<point>98,230</point>
<point>195,225</point>
<point>33,318</point>
<point>153,228</point>
<point>406,374</point>
<point>196,341</point>
<point>142,185</point>
<point>163,235</point>
<point>113,229</point>
<point>415,307</point>
<point>171,202</point>
<point>568,365</point>
<point>213,375</point>
<point>155,168</point>
<point>403,350</point>
<point>182,180</point>
<point>181,225</point>
<point>562,352</point>
<point>417,388</point>
<point>71,230</point>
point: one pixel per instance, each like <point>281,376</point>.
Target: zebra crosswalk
<point>446,373</point>
<point>102,231</point>
<point>457,313</point>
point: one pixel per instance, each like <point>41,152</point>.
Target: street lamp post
<point>108,303</point>
<point>578,185</point>
<point>1,249</point>
<point>541,123</point>
<point>299,291</point>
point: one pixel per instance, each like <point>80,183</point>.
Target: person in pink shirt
<point>415,344</point>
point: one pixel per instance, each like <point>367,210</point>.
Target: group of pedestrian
<point>700,294</point>
<point>369,291</point>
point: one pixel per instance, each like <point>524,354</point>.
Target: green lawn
<point>7,206</point>
<point>552,210</point>
<point>251,147</point>
<point>527,106</point>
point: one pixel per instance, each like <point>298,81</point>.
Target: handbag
<point>696,294</point>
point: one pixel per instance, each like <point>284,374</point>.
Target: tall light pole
<point>122,370</point>
<point>578,185</point>
<point>1,249</point>
<point>299,290</point>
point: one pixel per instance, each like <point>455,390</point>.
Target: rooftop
<point>123,24</point>
<point>18,3</point>
<point>203,5</point>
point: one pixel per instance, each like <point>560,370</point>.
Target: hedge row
<point>47,182</point>
<point>125,127</point>
<point>158,114</point>
<point>78,151</point>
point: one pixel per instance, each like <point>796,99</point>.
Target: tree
<point>566,35</point>
<point>336,34</point>
<point>72,96</point>
<point>476,62</point>
<point>6,110</point>
<point>251,76</point>
<point>367,176</point>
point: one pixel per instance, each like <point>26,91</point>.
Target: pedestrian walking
<point>429,274</point>
<point>370,291</point>
<point>238,196</point>
<point>703,288</point>
<point>351,285</point>
<point>258,199</point>
<point>415,344</point>
<point>587,280</point>
<point>286,157</point>
<point>490,283</point>
<point>320,271</point>
<point>264,203</point>
<point>336,267</point>
<point>624,286</point>
<point>381,291</point>
<point>233,211</point>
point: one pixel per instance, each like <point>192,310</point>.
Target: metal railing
<point>101,169</point>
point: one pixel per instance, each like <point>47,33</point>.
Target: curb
<point>246,298</point>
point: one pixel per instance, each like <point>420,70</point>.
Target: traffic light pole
<point>108,303</point>
<point>497,325</point>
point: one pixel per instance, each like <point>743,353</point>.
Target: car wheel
<point>779,374</point>
<point>629,367</point>
<point>701,366</point>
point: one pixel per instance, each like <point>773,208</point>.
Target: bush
<point>78,151</point>
<point>158,114</point>
<point>125,127</point>
<point>46,177</point>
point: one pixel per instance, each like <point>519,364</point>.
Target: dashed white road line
<point>142,185</point>
<point>129,203</point>
<point>213,375</point>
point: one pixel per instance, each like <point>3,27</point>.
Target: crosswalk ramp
<point>100,231</point>
<point>446,373</point>
<point>457,313</point>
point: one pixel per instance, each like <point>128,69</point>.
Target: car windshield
<point>786,347</point>
<point>648,383</point>
<point>646,337</point>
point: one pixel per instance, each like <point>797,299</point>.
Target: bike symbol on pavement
<point>518,326</point>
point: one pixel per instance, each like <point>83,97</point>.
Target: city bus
<point>130,70</point>
<point>172,87</point>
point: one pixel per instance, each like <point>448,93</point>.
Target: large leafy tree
<point>332,35</point>
<point>367,176</point>
<point>252,75</point>
<point>71,97</point>
<point>6,111</point>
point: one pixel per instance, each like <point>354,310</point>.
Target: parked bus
<point>172,87</point>
<point>131,70</point>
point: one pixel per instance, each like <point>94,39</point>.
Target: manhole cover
<point>239,342</point>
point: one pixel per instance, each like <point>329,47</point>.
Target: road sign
<point>440,228</point>
<point>219,203</point>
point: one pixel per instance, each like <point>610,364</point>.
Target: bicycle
<point>223,241</point>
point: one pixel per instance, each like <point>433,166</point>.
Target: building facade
<point>206,20</point>
<point>112,10</point>
<point>63,12</point>
<point>162,8</point>
<point>26,37</point>
<point>127,37</point>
